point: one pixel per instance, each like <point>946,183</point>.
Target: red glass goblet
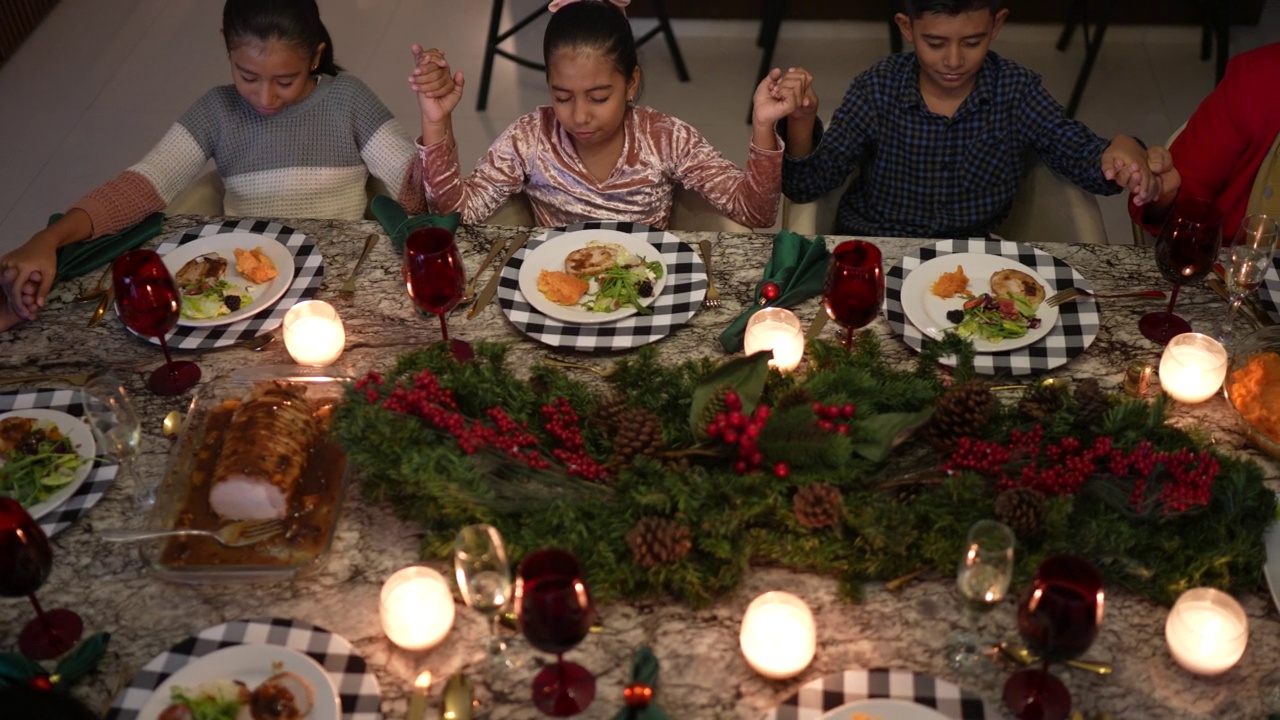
<point>555,612</point>
<point>1186,249</point>
<point>854,288</point>
<point>148,302</point>
<point>1058,617</point>
<point>25,561</point>
<point>433,272</point>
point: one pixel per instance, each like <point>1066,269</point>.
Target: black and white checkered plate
<point>1269,293</point>
<point>308,274</point>
<point>357,686</point>
<point>680,299</point>
<point>816,698</point>
<point>99,479</point>
<point>1078,322</point>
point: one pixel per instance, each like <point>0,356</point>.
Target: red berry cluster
<point>1063,467</point>
<point>734,428</point>
<point>369,385</point>
<point>562,423</point>
<point>834,418</point>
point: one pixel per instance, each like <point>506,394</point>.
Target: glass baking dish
<point>182,498</point>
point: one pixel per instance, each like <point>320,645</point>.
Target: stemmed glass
<point>555,612</point>
<point>1251,252</point>
<point>1185,252</point>
<point>986,567</point>
<point>1058,617</point>
<point>148,302</point>
<point>433,272</point>
<point>25,561</point>
<point>484,577</point>
<point>115,424</point>
<point>854,289</point>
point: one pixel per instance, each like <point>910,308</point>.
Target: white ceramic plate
<point>224,244</point>
<point>1272,569</point>
<point>250,664</point>
<point>928,312</point>
<point>81,437</point>
<point>550,255</point>
<point>884,709</point>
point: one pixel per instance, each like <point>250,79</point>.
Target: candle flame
<point>423,681</point>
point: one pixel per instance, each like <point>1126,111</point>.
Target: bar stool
<point>497,36</point>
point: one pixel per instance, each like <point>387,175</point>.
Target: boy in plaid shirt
<point>939,137</point>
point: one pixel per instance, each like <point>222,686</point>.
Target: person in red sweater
<point>1228,152</point>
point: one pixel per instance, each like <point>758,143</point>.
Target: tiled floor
<point>99,82</point>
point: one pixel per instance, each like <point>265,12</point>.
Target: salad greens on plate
<point>994,318</point>
<point>37,463</point>
<point>623,286</point>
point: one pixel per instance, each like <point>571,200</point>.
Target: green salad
<point>994,318</point>
<point>624,285</point>
<point>38,465</point>
<point>221,298</point>
<point>215,700</point>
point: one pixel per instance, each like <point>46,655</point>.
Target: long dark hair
<point>292,21</point>
<point>917,8</point>
<point>598,26</point>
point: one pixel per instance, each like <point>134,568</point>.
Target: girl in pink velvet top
<point>593,154</point>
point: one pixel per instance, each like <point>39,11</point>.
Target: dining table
<point>702,672</point>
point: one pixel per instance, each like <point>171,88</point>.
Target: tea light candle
<point>778,638</point>
<point>418,701</point>
<point>416,608</point>
<point>313,333</point>
<point>776,329</point>
<point>1192,367</point>
<point>1206,631</point>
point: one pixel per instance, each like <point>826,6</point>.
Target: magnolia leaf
<point>84,658</point>
<point>17,669</point>
<point>746,375</point>
<point>888,430</point>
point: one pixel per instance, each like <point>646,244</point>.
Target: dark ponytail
<point>293,21</point>
<point>596,26</point>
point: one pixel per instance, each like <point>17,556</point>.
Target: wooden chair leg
<point>771,16</point>
<point>490,50</point>
<point>664,24</point>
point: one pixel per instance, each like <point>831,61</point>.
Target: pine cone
<point>1040,401</point>
<point>639,432</point>
<point>1092,403</point>
<point>715,406</point>
<point>818,505</point>
<point>605,416</point>
<point>1023,510</point>
<point>657,541</point>
<point>959,412</point>
<point>792,398</point>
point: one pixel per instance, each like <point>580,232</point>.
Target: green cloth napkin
<point>798,266</point>
<point>77,259</point>
<point>644,670</point>
<point>398,224</point>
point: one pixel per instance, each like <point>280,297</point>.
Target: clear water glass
<point>116,427</point>
<point>483,572</point>
<point>1251,253</point>
<point>983,576</point>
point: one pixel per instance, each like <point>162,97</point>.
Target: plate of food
<point>883,709</point>
<point>995,302</point>
<point>227,277</point>
<point>593,276</point>
<point>244,681</point>
<point>45,455</point>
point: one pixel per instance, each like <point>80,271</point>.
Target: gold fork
<point>1075,293</point>
<point>712,300</point>
<point>236,534</point>
<point>349,287</point>
<point>97,289</point>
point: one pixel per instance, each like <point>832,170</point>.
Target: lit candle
<point>418,701</point>
<point>1207,631</point>
<point>1192,367</point>
<point>775,329</point>
<point>313,333</point>
<point>416,608</point>
<point>778,638</point>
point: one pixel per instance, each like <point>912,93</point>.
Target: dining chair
<point>1046,208</point>
<point>689,211</point>
<point>497,36</point>
<point>204,196</point>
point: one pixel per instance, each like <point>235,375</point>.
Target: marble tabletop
<point>703,673</point>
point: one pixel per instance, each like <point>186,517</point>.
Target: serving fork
<point>236,534</point>
<point>1075,293</point>
<point>712,299</point>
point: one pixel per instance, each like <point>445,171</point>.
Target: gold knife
<point>491,288</point>
<point>815,327</point>
<point>470,293</point>
<point>1256,314</point>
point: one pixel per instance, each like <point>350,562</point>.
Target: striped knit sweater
<point>310,160</point>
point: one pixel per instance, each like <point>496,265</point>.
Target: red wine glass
<point>25,561</point>
<point>1186,249</point>
<point>854,289</point>
<point>148,302</point>
<point>555,612</point>
<point>1058,617</point>
<point>433,272</point>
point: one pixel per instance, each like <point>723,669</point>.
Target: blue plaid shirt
<point>924,175</point>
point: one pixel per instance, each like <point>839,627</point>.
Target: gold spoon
<point>258,341</point>
<point>604,373</point>
<point>101,310</point>
<point>1023,656</point>
<point>172,423</point>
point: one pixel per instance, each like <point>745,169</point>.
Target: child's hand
<point>438,91</point>
<point>1124,162</point>
<point>23,274</point>
<point>1167,176</point>
<point>783,94</point>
